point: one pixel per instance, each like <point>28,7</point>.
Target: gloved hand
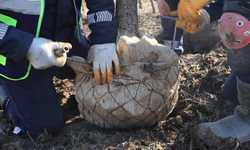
<point>44,53</point>
<point>186,25</point>
<point>102,56</point>
<point>188,10</point>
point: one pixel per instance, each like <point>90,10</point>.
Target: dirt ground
<point>203,72</point>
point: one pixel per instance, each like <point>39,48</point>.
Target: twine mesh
<point>143,94</point>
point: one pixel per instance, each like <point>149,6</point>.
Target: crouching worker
<point>35,39</point>
<point>234,30</point>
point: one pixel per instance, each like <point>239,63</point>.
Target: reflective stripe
<point>40,18</point>
<point>8,20</point>
<point>77,23</point>
<point>101,16</point>
<point>29,7</point>
<point>3,30</point>
<point>12,22</point>
<point>2,60</point>
<point>91,19</point>
<point>22,78</point>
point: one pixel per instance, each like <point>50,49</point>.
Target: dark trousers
<point>230,87</point>
<point>168,30</point>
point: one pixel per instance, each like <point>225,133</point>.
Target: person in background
<point>215,9</point>
<point>35,37</point>
<point>165,7</point>
<point>234,31</point>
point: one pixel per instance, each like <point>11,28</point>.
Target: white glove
<point>102,56</point>
<point>44,53</point>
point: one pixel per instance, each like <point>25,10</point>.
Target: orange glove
<point>190,27</point>
<point>188,10</point>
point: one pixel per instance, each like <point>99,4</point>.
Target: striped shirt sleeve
<point>3,30</point>
<point>101,16</point>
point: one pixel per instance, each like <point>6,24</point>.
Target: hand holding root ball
<point>103,56</point>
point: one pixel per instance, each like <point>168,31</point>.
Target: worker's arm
<point>18,45</point>
<point>103,26</point>
<point>215,10</point>
<point>14,43</point>
<point>101,21</point>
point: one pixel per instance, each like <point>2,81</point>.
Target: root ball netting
<point>143,94</point>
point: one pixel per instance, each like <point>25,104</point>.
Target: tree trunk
<point>127,17</point>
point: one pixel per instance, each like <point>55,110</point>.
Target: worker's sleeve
<point>101,21</point>
<point>14,43</point>
<point>215,10</point>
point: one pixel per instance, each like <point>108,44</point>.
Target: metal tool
<point>175,28</point>
<point>170,17</point>
<point>64,49</point>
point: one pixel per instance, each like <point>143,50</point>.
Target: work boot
<point>3,98</point>
<point>236,125</point>
<point>4,124</point>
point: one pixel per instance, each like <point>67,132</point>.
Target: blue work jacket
<point>23,20</point>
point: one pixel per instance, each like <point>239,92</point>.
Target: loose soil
<point>203,72</point>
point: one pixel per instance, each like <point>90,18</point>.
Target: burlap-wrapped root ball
<point>143,94</point>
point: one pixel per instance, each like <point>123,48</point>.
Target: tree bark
<point>127,17</point>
